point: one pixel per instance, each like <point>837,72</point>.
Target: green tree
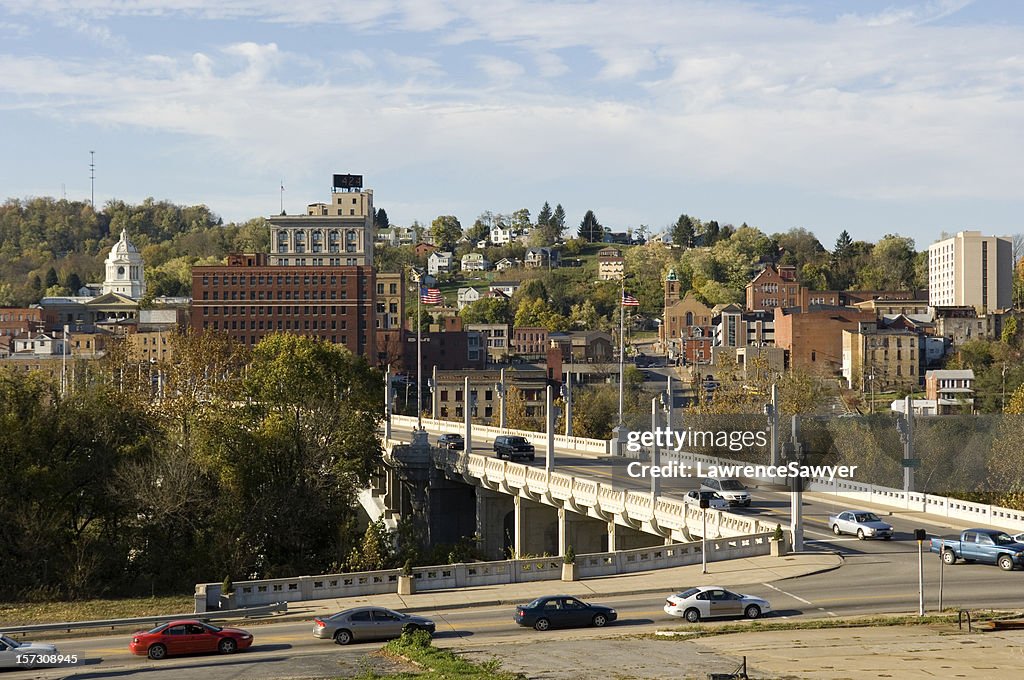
<point>683,231</point>
<point>51,278</point>
<point>380,219</point>
<point>590,229</point>
<point>487,310</point>
<point>584,316</point>
<point>375,551</point>
<point>557,223</point>
<point>544,216</point>
<point>516,417</point>
<point>446,231</point>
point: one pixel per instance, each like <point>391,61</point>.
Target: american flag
<point>629,301</point>
<point>431,296</point>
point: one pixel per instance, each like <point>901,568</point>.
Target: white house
<point>501,235</point>
<point>509,288</point>
<point>439,262</point>
<point>39,344</point>
<point>474,262</point>
<point>504,263</point>
<point>468,296</point>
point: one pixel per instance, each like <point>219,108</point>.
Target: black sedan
<point>562,611</point>
<point>453,442</point>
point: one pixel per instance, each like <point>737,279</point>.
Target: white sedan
<point>707,602</point>
<point>715,502</point>
<point>14,654</point>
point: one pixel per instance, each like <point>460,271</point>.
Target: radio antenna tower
<point>92,179</point>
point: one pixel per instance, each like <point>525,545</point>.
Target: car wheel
<point>692,615</point>
<point>835,530</point>
<point>752,611</point>
<point>1005,562</point>
<point>886,538</point>
<point>948,557</point>
<point>343,637</point>
<point>542,624</point>
<point>746,504</point>
<point>157,652</point>
<point>600,620</point>
<point>227,646</point>
<point>860,534</point>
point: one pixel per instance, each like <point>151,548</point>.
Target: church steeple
<point>671,287</point>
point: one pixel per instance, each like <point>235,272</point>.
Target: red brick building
<point>814,338</point>
<point>248,299</point>
<point>16,321</point>
<point>778,287</point>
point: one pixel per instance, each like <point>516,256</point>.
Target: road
<point>882,579</point>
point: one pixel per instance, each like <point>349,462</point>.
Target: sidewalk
<point>728,573</point>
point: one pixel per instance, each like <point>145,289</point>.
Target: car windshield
<point>1002,539</point>
<point>732,485</point>
<point>688,593</point>
<point>867,517</point>
<point>516,440</point>
<point>9,641</point>
<point>212,628</point>
<point>536,603</point>
<point>157,629</point>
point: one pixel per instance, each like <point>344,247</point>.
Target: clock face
<point>120,272</point>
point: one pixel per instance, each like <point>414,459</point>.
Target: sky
<point>874,117</point>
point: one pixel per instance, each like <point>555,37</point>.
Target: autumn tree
<point>445,231</point>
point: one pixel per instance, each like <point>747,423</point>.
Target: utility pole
<point>920,535</point>
<point>92,180</point>
<point>467,412</point>
<point>549,455</point>
<point>387,402</point>
<point>500,389</point>
<point>796,495</point>
<point>772,411</point>
<point>669,402</point>
<point>704,503</point>
<point>568,405</point>
<point>655,451</point>
<point>905,426</point>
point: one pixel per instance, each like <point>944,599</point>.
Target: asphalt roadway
<point>877,577</point>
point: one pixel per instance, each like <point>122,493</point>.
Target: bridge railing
<point>488,433</point>
<point>444,577</point>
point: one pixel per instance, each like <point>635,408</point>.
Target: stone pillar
<point>612,532</point>
<point>491,510</point>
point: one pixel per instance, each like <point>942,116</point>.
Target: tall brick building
<point>318,279</point>
<point>248,298</point>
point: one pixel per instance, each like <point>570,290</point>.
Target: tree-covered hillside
<point>53,247</point>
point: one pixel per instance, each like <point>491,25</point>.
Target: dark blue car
<point>562,611</point>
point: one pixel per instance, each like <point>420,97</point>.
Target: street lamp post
<point>499,387</point>
<point>704,503</point>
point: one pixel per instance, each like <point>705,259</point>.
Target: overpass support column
<point>563,529</point>
<point>517,528</point>
<point>493,512</point>
<point>611,537</point>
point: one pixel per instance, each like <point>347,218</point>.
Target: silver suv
<point>731,490</point>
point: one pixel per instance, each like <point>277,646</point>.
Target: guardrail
<point>488,433</point>
<point>263,610</point>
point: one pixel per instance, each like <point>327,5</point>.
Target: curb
<point>823,570</point>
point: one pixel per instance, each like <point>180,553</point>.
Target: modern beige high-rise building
<point>971,270</point>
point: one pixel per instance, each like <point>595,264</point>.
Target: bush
<point>227,587</point>
<point>407,568</point>
<point>777,535</point>
<point>570,556</point>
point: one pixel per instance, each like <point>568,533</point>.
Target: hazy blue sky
<point>876,117</point>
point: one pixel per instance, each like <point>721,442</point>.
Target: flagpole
<point>622,344</point>
<point>419,353</point>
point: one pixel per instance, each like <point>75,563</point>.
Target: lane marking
<point>795,597</point>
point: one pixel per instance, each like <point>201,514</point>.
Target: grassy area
<point>27,613</point>
<point>436,663</point>
<point>819,624</point>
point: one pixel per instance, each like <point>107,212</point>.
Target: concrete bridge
<point>517,510</point>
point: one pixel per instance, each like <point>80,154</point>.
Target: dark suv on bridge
<point>510,447</point>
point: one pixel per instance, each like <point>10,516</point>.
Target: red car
<point>188,637</point>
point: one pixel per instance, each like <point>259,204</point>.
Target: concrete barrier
<point>446,577</point>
